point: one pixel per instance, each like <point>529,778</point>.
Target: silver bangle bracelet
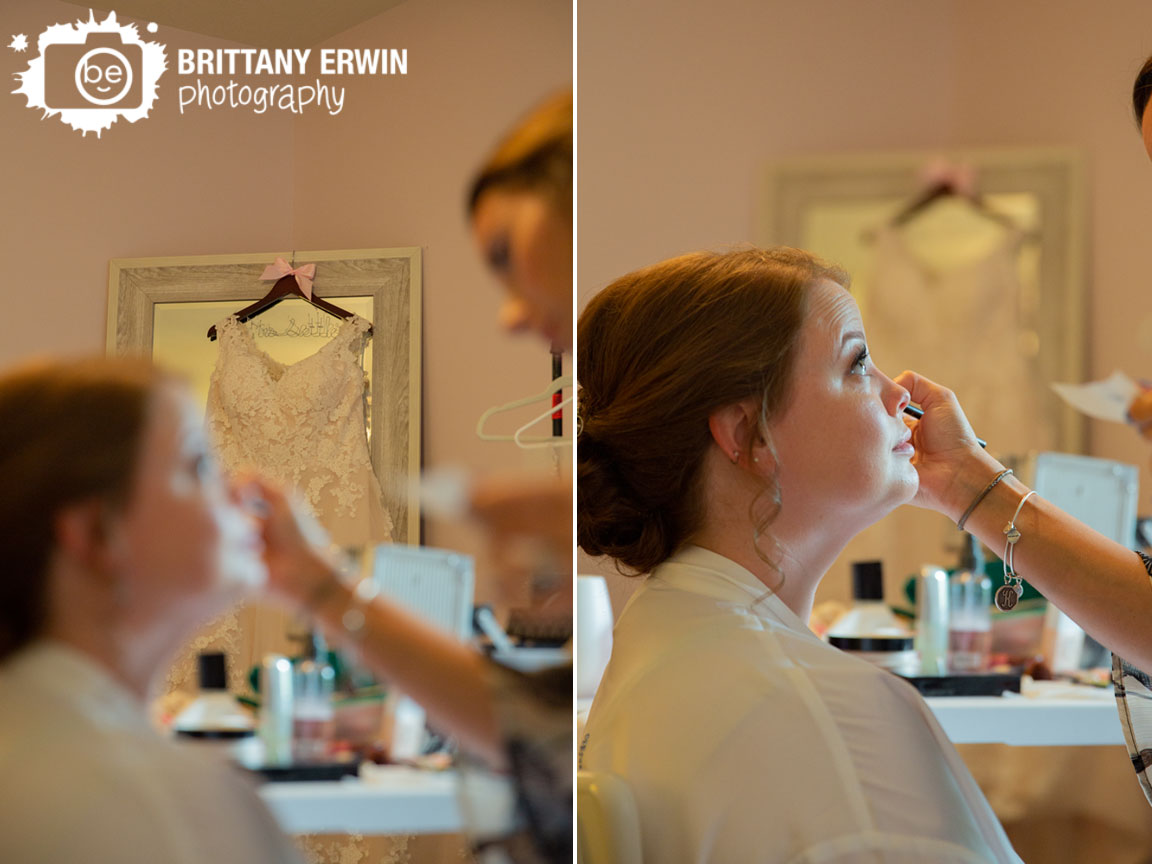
<point>354,618</point>
<point>982,496</point>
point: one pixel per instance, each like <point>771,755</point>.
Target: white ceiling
<point>260,23</point>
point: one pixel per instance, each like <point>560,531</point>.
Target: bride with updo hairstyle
<point>734,435</point>
<point>651,372</point>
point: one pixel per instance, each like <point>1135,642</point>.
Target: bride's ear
<point>735,430</point>
<point>88,532</point>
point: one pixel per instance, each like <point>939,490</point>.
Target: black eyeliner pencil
<point>919,412</point>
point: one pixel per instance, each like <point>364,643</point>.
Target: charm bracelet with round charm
<point>1009,594</point>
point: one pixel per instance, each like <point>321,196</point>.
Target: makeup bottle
<point>932,620</point>
<point>870,630</point>
<point>214,713</point>
<point>970,619</point>
<point>869,615</point>
<point>276,709</point>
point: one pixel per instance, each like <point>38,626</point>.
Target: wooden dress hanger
<point>947,189</point>
<point>286,286</point>
<point>939,190</point>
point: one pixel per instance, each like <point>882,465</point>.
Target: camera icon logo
<point>103,72</point>
<point>93,73</point>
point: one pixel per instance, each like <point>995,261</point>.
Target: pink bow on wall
<point>304,274</point>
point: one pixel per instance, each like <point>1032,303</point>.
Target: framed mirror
<point>838,206</point>
<point>163,307</point>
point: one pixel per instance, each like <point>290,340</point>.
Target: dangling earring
<point>735,456</point>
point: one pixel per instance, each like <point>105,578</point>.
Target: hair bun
<point>610,518</point>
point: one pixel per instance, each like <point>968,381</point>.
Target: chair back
<point>607,822</point>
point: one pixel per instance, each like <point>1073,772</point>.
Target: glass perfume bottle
<point>314,681</point>
<point>970,619</point>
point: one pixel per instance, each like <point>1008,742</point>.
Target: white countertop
<point>395,800</point>
<point>1047,713</point>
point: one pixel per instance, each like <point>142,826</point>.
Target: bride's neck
<point>799,559</point>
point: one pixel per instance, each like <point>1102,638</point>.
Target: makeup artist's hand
<point>517,507</point>
<point>950,462</point>
<point>528,520</point>
<point>294,544</point>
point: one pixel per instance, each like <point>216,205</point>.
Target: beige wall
<point>396,174</point>
<point>390,171</point>
<point>683,103</point>
<point>164,186</point>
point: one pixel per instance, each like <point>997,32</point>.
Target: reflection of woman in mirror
<point>735,436</point>
<point>521,212</point>
<point>120,537</point>
<point>521,209</point>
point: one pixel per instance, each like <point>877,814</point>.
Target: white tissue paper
<point>1105,400</point>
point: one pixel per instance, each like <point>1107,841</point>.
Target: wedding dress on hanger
<point>964,327</point>
<point>303,426</point>
<point>966,322</point>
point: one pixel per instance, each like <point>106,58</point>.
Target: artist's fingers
<point>255,489</point>
<point>948,426</point>
<point>924,391</point>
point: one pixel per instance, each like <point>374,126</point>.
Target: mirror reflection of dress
<point>951,304</point>
<point>965,327</point>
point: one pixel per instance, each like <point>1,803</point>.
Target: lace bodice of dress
<point>962,327</point>
<point>303,425</point>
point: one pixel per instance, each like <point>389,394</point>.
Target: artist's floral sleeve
<point>1134,701</point>
<point>535,716</point>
